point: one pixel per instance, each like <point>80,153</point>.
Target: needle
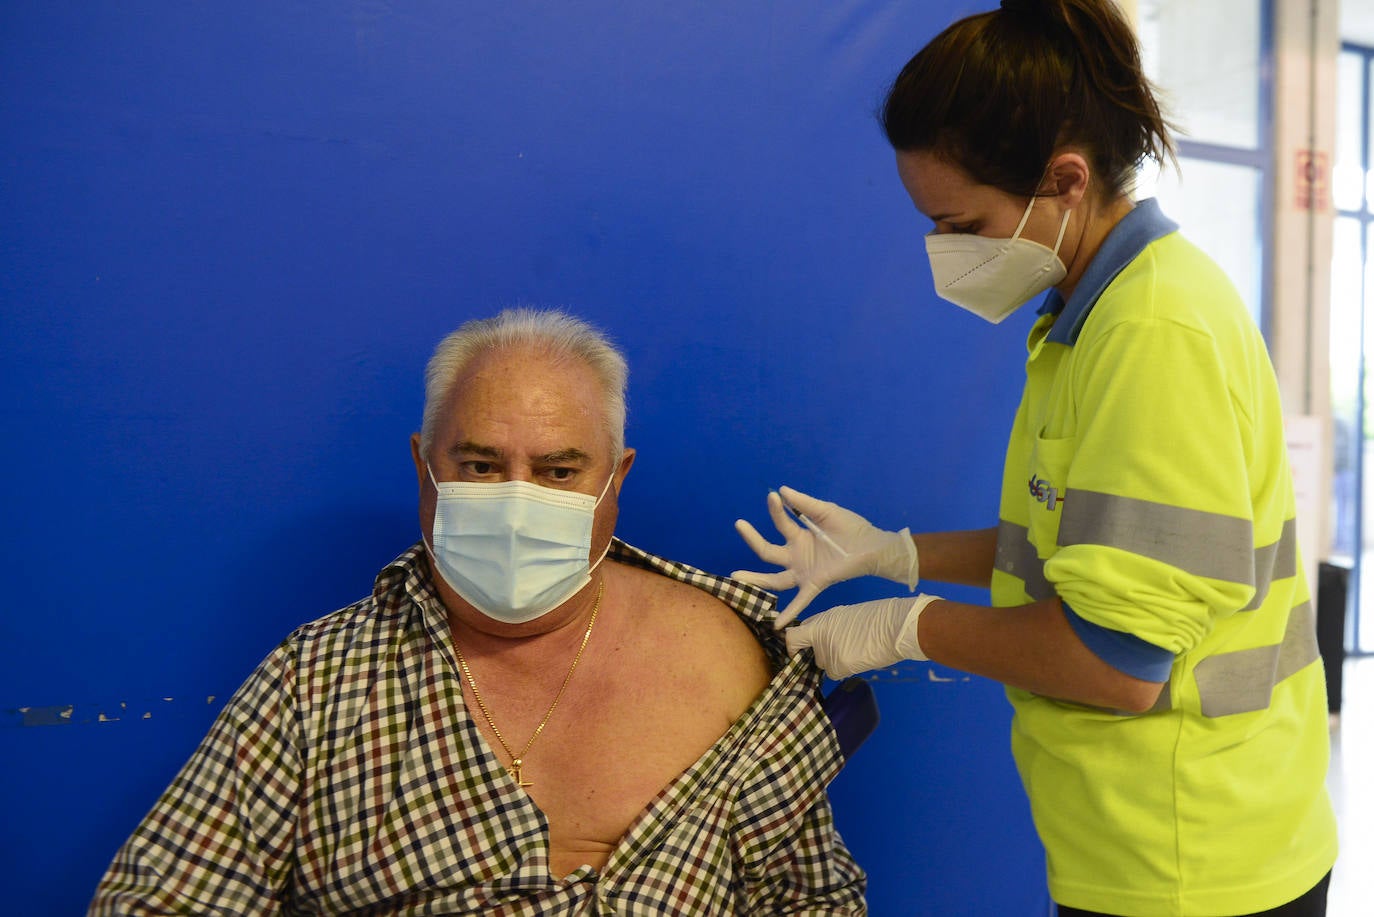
<point>815,529</point>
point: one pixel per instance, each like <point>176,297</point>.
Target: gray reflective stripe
<point>1242,681</point>
<point>1278,560</point>
<point>1204,544</point>
<point>1016,556</point>
<point>1275,561</point>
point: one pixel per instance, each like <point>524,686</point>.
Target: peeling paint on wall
<point>912,674</point>
<point>118,711</point>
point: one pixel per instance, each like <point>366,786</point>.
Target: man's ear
<point>627,458</point>
<point>420,470</point>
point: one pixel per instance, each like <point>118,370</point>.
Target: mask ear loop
<point>1024,217</point>
<point>605,490</point>
<point>1063,225</point>
<point>426,541</point>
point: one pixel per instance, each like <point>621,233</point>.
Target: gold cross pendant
<point>515,767</point>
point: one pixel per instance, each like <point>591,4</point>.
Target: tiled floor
<point>1351,782</point>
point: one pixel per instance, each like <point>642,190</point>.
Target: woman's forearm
<point>964,557</point>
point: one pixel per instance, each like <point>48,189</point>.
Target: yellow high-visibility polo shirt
<point>1147,485</point>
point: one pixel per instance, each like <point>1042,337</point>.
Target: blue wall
<point>230,234</point>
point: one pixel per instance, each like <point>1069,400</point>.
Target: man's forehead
<point>520,374</point>
<point>519,397</point>
<point>543,429</point>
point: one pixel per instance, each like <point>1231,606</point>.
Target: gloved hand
<point>838,545</point>
<point>849,639</point>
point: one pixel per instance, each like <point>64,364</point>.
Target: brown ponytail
<point>999,92</point>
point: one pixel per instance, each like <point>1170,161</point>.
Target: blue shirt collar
<point>1128,238</point>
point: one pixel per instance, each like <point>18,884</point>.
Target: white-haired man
<point>527,716</point>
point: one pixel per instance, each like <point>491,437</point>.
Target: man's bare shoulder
<point>672,600</point>
<point>704,632</point>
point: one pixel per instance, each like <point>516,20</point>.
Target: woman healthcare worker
<point>1149,613</point>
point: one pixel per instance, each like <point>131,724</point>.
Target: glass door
<point>1217,93</point>
<point>1352,343</point>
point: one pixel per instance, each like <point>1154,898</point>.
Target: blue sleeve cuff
<point>1123,652</point>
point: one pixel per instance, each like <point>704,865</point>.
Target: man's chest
<point>607,752</point>
<point>428,800</point>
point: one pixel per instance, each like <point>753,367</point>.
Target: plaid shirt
<point>346,776</point>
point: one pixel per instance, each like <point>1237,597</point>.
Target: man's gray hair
<point>549,332</point>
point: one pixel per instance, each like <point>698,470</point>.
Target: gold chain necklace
<point>518,761</point>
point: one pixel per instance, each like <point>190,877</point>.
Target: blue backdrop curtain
<point>233,232</point>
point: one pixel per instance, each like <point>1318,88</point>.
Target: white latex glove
<point>837,545</point>
<point>849,639</point>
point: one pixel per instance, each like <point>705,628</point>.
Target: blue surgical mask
<point>513,550</point>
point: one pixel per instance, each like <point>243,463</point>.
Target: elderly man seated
<point>527,715</point>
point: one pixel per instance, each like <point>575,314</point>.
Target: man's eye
<point>561,474</point>
<point>480,468</point>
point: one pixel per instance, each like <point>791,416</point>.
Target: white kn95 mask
<point>992,277</point>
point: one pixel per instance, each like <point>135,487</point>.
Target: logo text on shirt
<point>1041,490</point>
